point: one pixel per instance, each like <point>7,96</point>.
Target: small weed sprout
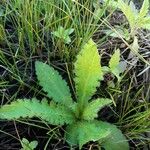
<point>26,145</point>
<point>137,19</point>
<point>63,34</point>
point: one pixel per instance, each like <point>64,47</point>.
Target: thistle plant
<point>79,114</point>
<point>138,19</point>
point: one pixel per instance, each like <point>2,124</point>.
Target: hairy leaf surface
<point>128,12</point>
<point>144,10</point>
<point>90,112</point>
<point>116,140</point>
<point>88,72</point>
<point>83,132</point>
<point>53,83</point>
<point>145,23</point>
<point>52,113</point>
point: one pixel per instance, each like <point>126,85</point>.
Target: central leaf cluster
<point>79,115</point>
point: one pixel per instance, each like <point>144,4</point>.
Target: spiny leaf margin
<point>54,114</point>
<point>126,9</point>
<point>144,10</point>
<point>90,112</point>
<point>53,83</point>
<point>88,72</point>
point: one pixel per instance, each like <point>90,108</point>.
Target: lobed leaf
<point>128,12</point>
<point>88,72</point>
<point>144,10</point>
<point>53,83</point>
<point>55,114</point>
<point>83,132</point>
<point>145,23</point>
<point>90,112</point>
<point>133,8</point>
